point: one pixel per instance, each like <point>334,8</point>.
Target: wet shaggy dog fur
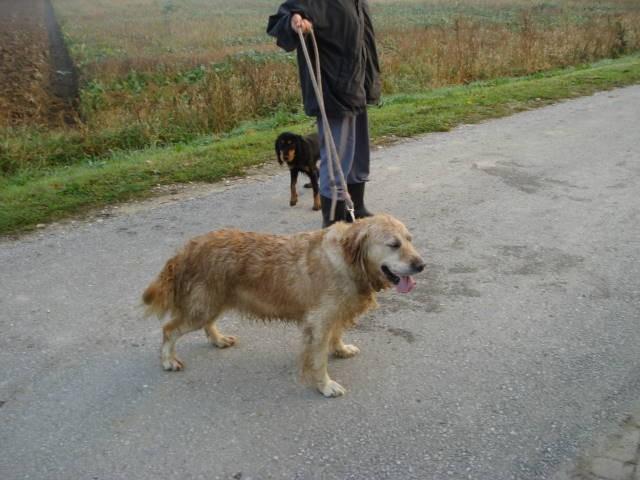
<point>301,154</point>
<point>321,280</point>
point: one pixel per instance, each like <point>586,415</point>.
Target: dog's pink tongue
<point>405,285</point>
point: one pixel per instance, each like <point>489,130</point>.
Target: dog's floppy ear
<point>278,151</point>
<point>354,243</point>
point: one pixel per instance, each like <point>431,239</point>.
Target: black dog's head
<point>287,145</point>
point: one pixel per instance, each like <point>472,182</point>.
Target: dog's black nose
<point>418,265</point>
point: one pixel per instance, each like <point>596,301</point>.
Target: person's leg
<point>343,131</point>
<point>359,173</point>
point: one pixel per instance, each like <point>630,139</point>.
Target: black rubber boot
<point>356,190</point>
<point>341,213</point>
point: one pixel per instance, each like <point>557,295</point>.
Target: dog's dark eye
<point>395,244</point>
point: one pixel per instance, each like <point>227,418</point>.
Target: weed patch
<point>35,196</point>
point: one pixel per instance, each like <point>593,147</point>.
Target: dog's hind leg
<point>171,332</point>
<point>218,339</point>
<point>339,348</point>
<point>211,331</point>
<point>316,337</point>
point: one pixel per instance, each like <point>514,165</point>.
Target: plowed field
<point>38,84</point>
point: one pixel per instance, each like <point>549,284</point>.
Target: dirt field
<point>38,84</point>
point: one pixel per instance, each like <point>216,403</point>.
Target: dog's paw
<point>224,341</point>
<point>172,364</point>
<point>292,203</point>
<point>332,389</point>
<point>316,207</point>
<point>347,351</point>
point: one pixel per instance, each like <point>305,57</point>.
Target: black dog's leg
<point>316,189</point>
<point>294,193</point>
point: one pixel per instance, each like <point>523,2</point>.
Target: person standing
<point>350,81</point>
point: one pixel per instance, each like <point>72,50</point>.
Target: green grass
<point>31,198</point>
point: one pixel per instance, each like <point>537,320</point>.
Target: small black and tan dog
<point>301,154</point>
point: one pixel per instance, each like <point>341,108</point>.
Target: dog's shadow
<point>264,362</point>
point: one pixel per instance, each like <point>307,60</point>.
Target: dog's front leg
<point>316,336</point>
<point>294,193</point>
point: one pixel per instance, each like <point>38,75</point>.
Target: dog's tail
<point>159,295</point>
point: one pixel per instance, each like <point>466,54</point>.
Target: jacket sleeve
<point>279,25</point>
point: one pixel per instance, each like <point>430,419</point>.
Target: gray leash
<point>332,153</point>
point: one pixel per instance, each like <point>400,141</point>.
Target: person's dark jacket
<point>348,56</point>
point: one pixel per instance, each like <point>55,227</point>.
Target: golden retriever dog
<point>321,280</point>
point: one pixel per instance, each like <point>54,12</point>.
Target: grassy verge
<point>26,200</point>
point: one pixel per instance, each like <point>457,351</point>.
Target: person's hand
<point>300,24</point>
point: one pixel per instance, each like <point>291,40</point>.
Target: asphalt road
<point>520,343</point>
